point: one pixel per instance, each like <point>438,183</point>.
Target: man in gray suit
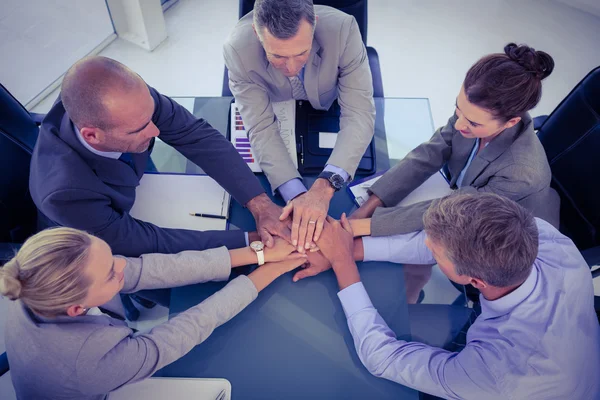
<point>290,49</point>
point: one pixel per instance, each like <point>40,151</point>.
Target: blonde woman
<point>61,345</point>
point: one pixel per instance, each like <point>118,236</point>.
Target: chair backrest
<point>356,8</point>
<point>571,138</point>
<point>18,134</point>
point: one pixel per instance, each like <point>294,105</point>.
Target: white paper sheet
<point>327,140</point>
<point>174,388</point>
<point>433,188</point>
<point>166,201</point>
<point>285,112</point>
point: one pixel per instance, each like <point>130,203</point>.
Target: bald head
<point>88,86</point>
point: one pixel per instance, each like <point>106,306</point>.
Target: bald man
<point>94,145</point>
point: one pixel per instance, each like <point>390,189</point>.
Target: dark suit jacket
<point>74,187</point>
<point>513,164</point>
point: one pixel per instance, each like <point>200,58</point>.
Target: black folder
<point>309,122</point>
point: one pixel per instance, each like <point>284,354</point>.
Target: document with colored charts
<point>285,113</point>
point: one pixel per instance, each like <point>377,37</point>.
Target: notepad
<point>166,200</point>
<point>434,187</point>
<point>285,113</point>
<point>174,388</point>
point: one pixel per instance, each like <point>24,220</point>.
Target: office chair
<point>356,8</point>
<point>18,134</point>
<point>571,137</point>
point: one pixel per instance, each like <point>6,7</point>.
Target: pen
<point>207,215</point>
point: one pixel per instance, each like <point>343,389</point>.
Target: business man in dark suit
<point>93,148</point>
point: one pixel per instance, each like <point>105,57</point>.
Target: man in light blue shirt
<point>537,336</point>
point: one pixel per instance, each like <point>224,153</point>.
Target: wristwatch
<point>335,180</point>
<point>258,248</point>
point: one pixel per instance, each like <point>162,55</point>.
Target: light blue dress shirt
<point>541,341</point>
<point>295,187</point>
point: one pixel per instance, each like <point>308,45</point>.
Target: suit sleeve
<point>259,119</point>
<point>416,167</point>
<point>112,357</point>
<point>512,181</point>
<point>355,97</point>
<point>92,212</point>
<point>205,146</point>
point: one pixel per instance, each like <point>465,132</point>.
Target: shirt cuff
<point>354,299</point>
<point>376,248</point>
<point>247,240</point>
<point>291,189</point>
<point>337,170</point>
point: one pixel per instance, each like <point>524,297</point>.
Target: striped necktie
<point>298,92</point>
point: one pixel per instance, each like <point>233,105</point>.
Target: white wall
<point>589,6</point>
<point>41,39</point>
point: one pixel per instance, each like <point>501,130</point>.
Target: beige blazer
<point>513,164</point>
<point>337,68</point>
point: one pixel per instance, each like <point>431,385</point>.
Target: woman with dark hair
<point>488,145</point>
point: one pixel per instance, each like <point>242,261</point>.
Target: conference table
<point>293,342</point>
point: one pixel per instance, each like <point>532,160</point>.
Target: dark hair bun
<point>538,63</point>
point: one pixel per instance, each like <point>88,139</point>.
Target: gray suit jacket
<point>514,164</point>
<point>338,67</point>
<point>86,357</point>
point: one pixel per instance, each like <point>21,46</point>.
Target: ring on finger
<point>312,222</point>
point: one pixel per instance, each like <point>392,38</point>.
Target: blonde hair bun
<point>10,285</point>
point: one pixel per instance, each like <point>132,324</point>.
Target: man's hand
<point>268,224</point>
<point>337,241</point>
<point>317,263</point>
<point>308,211</point>
<point>337,245</point>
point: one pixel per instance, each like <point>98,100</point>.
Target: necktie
<point>298,92</point>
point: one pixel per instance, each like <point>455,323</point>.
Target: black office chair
<point>571,138</point>
<point>356,8</point>
<point>18,134</point>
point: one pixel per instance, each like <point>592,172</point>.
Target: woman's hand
<point>368,208</point>
<point>280,251</point>
<point>267,273</point>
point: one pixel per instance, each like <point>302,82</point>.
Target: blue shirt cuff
<point>337,170</point>
<point>376,248</point>
<point>247,240</point>
<point>354,299</point>
<point>291,189</point>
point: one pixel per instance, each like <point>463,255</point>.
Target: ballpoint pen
<point>207,215</point>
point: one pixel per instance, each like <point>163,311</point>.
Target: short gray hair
<point>282,17</point>
<point>486,236</point>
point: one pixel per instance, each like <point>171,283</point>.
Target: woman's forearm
<point>361,227</point>
<point>242,256</point>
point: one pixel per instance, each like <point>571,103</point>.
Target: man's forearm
<point>359,250</point>
<point>346,272</point>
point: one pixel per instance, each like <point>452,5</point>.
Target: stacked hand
<point>308,212</point>
<point>268,224</point>
<point>282,251</point>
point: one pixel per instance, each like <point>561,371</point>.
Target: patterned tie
<point>298,92</point>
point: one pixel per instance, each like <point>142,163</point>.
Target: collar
<point>65,319</point>
<point>505,304</point>
<point>108,154</point>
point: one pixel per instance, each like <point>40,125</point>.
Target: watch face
<point>257,246</point>
<point>336,181</point>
